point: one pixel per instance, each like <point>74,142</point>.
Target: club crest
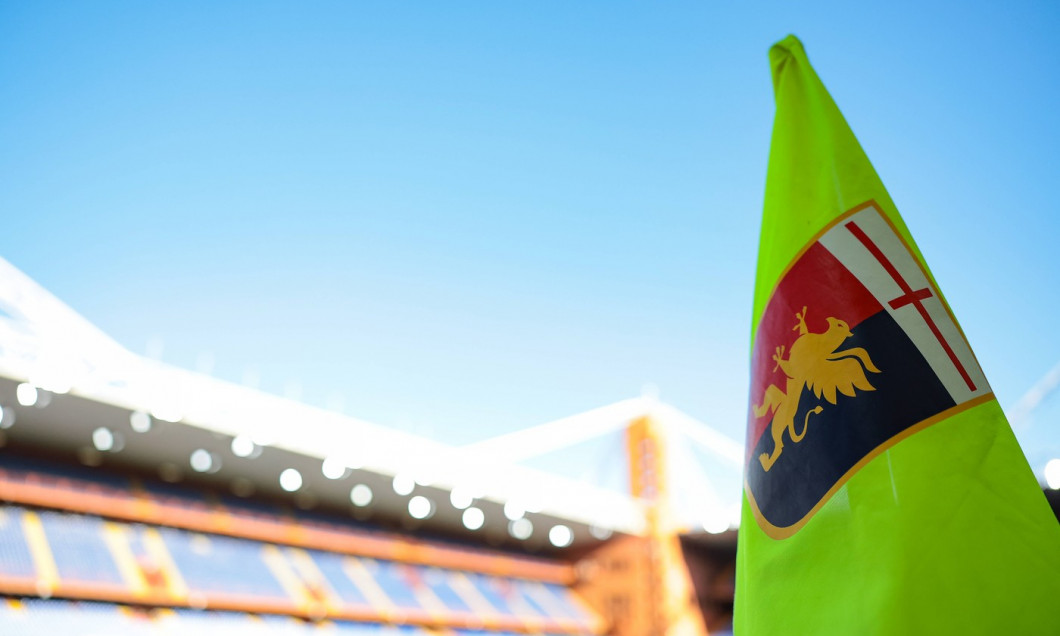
<point>855,351</point>
<point>815,363</point>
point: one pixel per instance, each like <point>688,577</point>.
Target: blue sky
<point>467,218</point>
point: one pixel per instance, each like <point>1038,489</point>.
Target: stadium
<point>456,223</point>
<point>139,498</point>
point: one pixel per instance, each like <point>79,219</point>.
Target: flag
<point>884,491</point>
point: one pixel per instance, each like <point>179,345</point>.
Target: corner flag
<point>884,491</point>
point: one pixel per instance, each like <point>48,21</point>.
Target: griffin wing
<point>843,374</point>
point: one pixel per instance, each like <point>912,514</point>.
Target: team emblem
<point>873,356</point>
<point>816,363</point>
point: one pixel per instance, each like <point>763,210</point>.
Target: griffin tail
<point>805,424</point>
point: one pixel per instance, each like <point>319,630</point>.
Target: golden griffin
<point>813,362</point>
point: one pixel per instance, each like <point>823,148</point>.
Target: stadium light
<point>243,446</point>
<point>560,536</point>
<point>167,412</point>
<point>461,498</point>
<point>1052,474</point>
<point>7,417</point>
<point>361,495</point>
<point>521,528</point>
<point>735,515</point>
<point>473,518</point>
<point>26,394</point>
<point>140,421</point>
<point>333,468</point>
<point>715,522</point>
<point>532,503</point>
<point>290,479</point>
<point>420,507</point>
<point>404,484</point>
<point>103,439</point>
<point>600,532</point>
<point>203,461</point>
<point>354,460</point>
<point>55,377</point>
<point>424,474</point>
<point>513,510</point>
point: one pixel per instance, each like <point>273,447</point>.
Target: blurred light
<point>420,507</point>
<point>461,498</point>
<point>140,421</point>
<point>333,468</point>
<point>290,479</point>
<point>404,484</point>
<point>26,394</point>
<point>361,495</point>
<point>1052,474</point>
<point>7,417</point>
<point>424,477</point>
<point>735,514</point>
<point>600,532</point>
<point>263,438</point>
<point>354,460</point>
<point>44,397</point>
<point>560,536</point>
<point>513,511</point>
<point>167,413</point>
<point>473,518</point>
<point>532,504</point>
<point>715,523</point>
<point>103,439</point>
<point>243,446</point>
<point>202,461</point>
<point>54,378</point>
<point>521,528</point>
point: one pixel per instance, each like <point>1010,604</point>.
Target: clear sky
<point>465,218</point>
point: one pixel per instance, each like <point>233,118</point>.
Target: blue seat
<point>78,548</point>
<point>210,563</point>
<point>397,580</point>
<point>331,566</point>
<point>15,557</point>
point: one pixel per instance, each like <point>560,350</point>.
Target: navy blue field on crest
<point>907,392</point>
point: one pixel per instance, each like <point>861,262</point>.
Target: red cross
<point>910,297</point>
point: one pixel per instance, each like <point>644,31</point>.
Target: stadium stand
<point>15,558</point>
<point>83,556</point>
<point>124,553</point>
<point>45,483</point>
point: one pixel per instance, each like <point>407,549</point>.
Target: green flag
<point>884,490</point>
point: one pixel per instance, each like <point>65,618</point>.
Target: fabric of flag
<point>885,492</point>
